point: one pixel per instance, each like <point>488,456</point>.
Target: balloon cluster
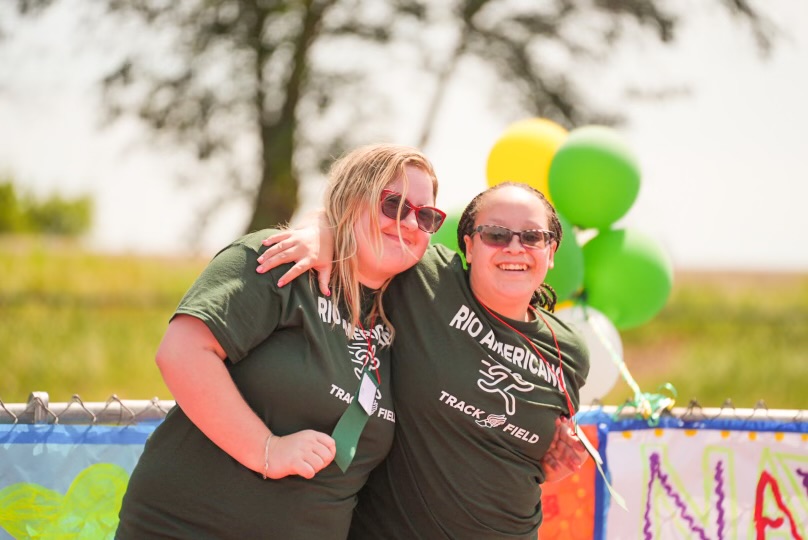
<point>618,279</point>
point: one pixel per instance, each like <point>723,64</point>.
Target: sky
<point>724,176</point>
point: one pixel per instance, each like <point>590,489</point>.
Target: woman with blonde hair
<point>283,394</point>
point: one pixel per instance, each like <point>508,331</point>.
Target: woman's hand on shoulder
<point>309,247</point>
<point>304,453</point>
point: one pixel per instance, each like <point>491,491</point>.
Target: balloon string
<point>649,406</point>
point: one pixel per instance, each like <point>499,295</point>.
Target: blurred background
<point>139,137</point>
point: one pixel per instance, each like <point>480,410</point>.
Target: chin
<point>520,293</point>
<point>407,259</point>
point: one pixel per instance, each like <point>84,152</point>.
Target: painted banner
<point>716,479</point>
<point>65,482</point>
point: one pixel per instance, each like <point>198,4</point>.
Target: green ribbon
<point>349,428</point>
<point>648,406</point>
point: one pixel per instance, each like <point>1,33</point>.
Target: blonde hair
<point>355,183</point>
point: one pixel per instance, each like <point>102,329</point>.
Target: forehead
<point>418,186</point>
<point>512,205</point>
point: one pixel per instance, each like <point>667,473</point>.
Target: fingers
<point>327,441</point>
<point>294,272</point>
<point>279,253</point>
<point>316,457</point>
<point>551,463</point>
<point>304,453</point>
<point>325,447</point>
<point>275,238</point>
<point>566,453</point>
<point>323,278</point>
<point>571,453</point>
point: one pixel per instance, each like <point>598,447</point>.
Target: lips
<point>394,238</point>
<point>512,267</point>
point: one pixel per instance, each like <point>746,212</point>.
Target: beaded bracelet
<point>266,455</point>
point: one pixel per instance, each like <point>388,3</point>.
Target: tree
<point>55,215</point>
<point>291,79</point>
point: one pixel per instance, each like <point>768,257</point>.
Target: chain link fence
<point>116,411</point>
<point>39,410</point>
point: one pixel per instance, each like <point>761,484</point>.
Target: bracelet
<point>266,455</point>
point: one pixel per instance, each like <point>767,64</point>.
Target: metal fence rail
<point>116,411</point>
<point>39,410</point>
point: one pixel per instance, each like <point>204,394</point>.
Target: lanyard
<point>589,448</point>
<point>562,382</point>
<point>370,349</point>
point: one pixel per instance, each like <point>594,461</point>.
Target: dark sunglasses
<point>496,236</point>
<point>429,219</point>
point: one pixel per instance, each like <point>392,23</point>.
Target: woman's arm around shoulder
<point>310,247</point>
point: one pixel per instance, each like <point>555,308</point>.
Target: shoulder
<point>569,338</point>
<point>237,263</point>
<point>438,260</point>
<point>438,267</point>
<point>252,242</point>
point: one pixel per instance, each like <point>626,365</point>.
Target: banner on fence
<point>713,479</point>
<point>65,481</point>
<point>709,483</point>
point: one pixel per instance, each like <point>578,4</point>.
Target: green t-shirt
<point>475,413</point>
<point>297,371</point>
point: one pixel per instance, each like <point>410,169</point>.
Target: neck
<point>518,311</point>
<point>370,283</point>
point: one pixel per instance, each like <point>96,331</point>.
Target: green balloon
<point>447,234</point>
<point>567,274</point>
<point>594,177</point>
<point>627,277</point>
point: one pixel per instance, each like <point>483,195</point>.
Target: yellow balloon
<point>523,153</point>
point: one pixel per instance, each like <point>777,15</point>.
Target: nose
<point>410,222</point>
<point>515,245</point>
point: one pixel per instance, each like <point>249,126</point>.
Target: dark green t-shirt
<point>297,371</point>
<point>475,413</point>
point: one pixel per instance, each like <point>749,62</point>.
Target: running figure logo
<point>499,379</point>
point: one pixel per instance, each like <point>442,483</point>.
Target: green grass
<point>74,322</point>
<point>742,337</point>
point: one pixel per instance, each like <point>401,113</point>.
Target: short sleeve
<point>240,306</point>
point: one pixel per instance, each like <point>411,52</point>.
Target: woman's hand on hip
<point>304,453</point>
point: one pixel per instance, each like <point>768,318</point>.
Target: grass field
<point>74,322</point>
<point>723,336</point>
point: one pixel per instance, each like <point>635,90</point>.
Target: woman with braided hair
<point>484,378</point>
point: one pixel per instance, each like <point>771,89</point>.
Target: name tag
<point>367,394</point>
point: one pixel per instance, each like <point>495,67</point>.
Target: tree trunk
<point>276,200</point>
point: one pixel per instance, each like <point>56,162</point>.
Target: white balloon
<point>604,345</point>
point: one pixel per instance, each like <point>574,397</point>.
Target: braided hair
<point>545,296</point>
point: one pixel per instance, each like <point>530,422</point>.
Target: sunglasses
<point>429,219</point>
<point>496,236</point>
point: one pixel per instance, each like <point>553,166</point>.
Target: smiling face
<point>504,278</point>
<point>402,242</point>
